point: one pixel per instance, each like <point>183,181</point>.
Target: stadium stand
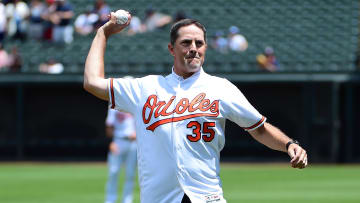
<point>307,36</point>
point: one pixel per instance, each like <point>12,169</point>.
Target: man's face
<point>188,51</point>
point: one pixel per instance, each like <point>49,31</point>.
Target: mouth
<point>192,57</point>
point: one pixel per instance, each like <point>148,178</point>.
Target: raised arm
<point>273,138</point>
<point>94,81</point>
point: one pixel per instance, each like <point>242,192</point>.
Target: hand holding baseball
<point>117,22</point>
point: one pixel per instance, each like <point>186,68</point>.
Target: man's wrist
<point>291,142</point>
<point>102,32</point>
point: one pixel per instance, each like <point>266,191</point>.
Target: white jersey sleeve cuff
<point>256,125</point>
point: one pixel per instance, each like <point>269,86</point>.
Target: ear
<point>171,49</point>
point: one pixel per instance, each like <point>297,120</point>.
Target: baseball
<point>122,17</point>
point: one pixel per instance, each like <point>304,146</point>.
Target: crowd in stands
<point>54,22</point>
<point>234,41</point>
<point>36,19</point>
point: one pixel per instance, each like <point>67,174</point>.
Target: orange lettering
<point>160,108</point>
<point>163,112</point>
<point>151,106</point>
<point>196,100</point>
<point>184,103</point>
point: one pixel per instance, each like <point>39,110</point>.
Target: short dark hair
<point>181,23</point>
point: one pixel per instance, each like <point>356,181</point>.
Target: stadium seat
<point>305,34</point>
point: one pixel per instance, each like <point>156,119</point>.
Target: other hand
<point>132,137</point>
<point>298,156</point>
<point>114,148</point>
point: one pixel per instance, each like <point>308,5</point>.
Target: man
<point>120,127</point>
<point>237,42</point>
<point>61,18</point>
<point>180,118</point>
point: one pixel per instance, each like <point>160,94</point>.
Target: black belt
<point>185,199</point>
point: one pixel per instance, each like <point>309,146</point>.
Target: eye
<point>186,42</point>
<point>199,43</point>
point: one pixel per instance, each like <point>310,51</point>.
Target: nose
<point>193,48</point>
<point>192,52</point>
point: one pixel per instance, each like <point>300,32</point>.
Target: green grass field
<point>250,183</point>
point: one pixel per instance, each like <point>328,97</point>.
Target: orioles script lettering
<point>198,107</point>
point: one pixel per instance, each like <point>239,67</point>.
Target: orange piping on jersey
<point>180,118</point>
<point>256,124</point>
<point>112,93</point>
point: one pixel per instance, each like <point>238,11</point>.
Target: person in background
<point>267,61</point>
<point>36,28</point>
<point>155,20</point>
<point>51,66</point>
<point>2,22</point>
<point>103,10</point>
<point>220,43</point>
<point>17,13</point>
<point>179,15</point>
<point>85,22</point>
<point>47,16</point>
<point>61,18</point>
<point>14,60</point>
<point>4,57</point>
<point>120,127</point>
<point>237,42</point>
<point>136,25</point>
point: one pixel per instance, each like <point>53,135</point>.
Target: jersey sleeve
<point>238,109</point>
<point>124,94</point>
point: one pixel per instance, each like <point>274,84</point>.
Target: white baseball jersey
<point>180,132</point>
<point>123,123</point>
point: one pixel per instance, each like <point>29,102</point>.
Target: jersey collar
<point>180,78</point>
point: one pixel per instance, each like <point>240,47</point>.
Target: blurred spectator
<point>4,57</point>
<point>237,42</point>
<point>51,66</point>
<point>135,24</point>
<point>17,13</point>
<point>14,60</point>
<point>220,43</point>
<point>37,8</point>
<point>85,22</point>
<point>267,61</point>
<point>47,16</point>
<point>63,30</point>
<point>2,22</point>
<point>103,10</point>
<point>179,15</point>
<point>155,20</point>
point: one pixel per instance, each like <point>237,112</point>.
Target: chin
<point>194,67</point>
